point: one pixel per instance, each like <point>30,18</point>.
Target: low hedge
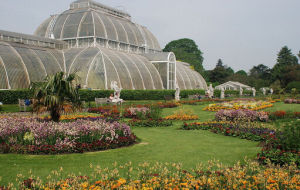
<point>12,96</point>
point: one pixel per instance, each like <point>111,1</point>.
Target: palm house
<point>101,44</point>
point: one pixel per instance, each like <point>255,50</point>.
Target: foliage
<point>210,176</point>
<point>241,72</point>
<point>55,92</point>
<point>283,147</point>
<point>220,72</point>
<point>186,50</point>
<point>294,84</point>
<point>285,63</point>
<point>150,123</point>
<point>28,135</point>
<point>236,129</point>
<point>12,96</point>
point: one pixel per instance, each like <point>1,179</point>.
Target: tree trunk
<point>55,114</point>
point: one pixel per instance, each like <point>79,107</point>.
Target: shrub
<point>12,96</point>
<point>294,84</point>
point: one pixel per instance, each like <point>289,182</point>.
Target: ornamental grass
<point>214,175</point>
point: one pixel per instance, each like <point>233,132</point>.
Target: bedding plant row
<point>249,175</point>
<point>31,136</point>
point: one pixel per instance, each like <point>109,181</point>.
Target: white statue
<point>222,92</point>
<point>264,91</point>
<point>177,93</point>
<point>271,91</point>
<point>211,91</point>
<point>117,92</point>
<point>253,92</point>
<point>241,91</point>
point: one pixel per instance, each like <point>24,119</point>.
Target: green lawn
<point>157,144</point>
<point>282,106</point>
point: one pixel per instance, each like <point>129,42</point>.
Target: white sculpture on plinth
<point>222,92</point>
<point>177,92</point>
<point>117,92</point>
<point>271,91</point>
<point>211,91</point>
<point>241,91</point>
<point>264,91</point>
<point>253,92</point>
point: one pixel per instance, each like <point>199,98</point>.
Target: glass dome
<point>99,43</point>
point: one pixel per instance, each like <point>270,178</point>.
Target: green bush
<point>294,84</point>
<point>12,96</point>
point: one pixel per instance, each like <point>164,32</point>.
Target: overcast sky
<point>243,33</point>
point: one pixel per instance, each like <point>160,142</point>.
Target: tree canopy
<point>220,72</point>
<point>186,50</point>
<point>286,63</point>
<point>241,72</point>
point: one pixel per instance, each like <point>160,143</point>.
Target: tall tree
<point>220,63</point>
<point>299,54</point>
<point>285,61</point>
<point>186,50</point>
<point>220,72</point>
<point>55,92</point>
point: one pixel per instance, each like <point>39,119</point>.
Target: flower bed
<point>27,135</point>
<point>236,105</point>
<point>284,115</point>
<point>172,176</point>
<point>150,123</point>
<point>106,111</point>
<point>136,112</point>
<point>241,115</point>
<point>167,104</point>
<point>292,101</point>
<point>74,117</point>
<point>183,115</point>
<point>195,102</point>
<point>281,147</point>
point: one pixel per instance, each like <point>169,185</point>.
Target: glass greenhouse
<point>101,44</point>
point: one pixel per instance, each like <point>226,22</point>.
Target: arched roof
<point>187,78</point>
<point>94,21</point>
<point>98,66</point>
<point>20,64</point>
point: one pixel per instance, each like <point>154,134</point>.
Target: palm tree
<point>55,92</point>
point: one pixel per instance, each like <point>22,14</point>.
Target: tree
<point>241,72</point>
<point>285,61</point>
<point>261,71</point>
<point>55,92</point>
<point>220,72</point>
<point>220,63</point>
<point>299,54</point>
<point>186,50</point>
